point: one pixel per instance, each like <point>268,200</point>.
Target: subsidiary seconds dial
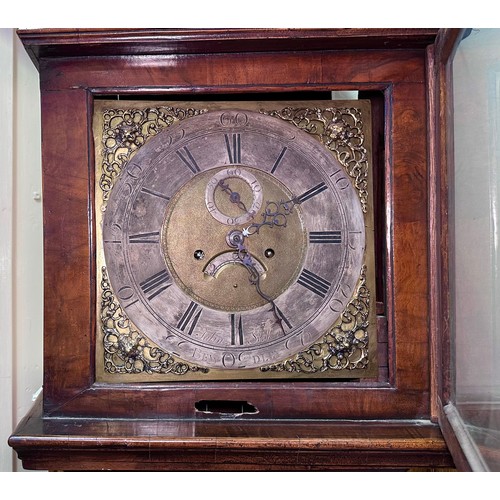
<point>218,188</point>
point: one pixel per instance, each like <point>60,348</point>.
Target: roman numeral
<point>155,284</point>
<point>155,193</point>
<point>236,330</point>
<point>233,146</point>
<point>325,237</point>
<point>314,283</point>
<point>153,237</point>
<point>185,155</point>
<point>190,318</point>
<point>278,160</point>
<point>312,192</point>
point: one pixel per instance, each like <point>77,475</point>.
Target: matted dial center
<point>206,216</point>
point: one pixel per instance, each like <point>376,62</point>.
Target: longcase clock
<point>235,261</point>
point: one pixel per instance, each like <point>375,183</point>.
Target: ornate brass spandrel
<point>341,130</point>
<point>344,347</point>
<point>126,351</point>
<point>125,130</point>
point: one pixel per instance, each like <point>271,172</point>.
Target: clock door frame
<point>466,454</point>
<point>235,62</point>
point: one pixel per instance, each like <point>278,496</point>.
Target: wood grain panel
<point>234,72</point>
<point>409,185</point>
<point>79,444</point>
<point>68,285</point>
<point>101,41</point>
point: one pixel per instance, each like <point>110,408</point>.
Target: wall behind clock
<point>21,256</point>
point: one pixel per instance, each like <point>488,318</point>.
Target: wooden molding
<point>208,445</point>
<point>93,42</point>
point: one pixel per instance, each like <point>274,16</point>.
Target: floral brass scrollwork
<point>125,349</point>
<point>341,131</point>
<point>344,347</point>
<point>126,130</point>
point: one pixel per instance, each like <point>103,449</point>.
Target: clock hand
<point>234,196</point>
<point>236,239</point>
<point>276,312</point>
<point>275,214</point>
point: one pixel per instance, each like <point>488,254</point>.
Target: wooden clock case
<point>388,422</point>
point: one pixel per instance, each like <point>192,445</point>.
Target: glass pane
<point>474,233</point>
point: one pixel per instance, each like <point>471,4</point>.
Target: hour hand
<point>275,214</point>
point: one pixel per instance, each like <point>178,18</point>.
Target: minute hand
<point>237,240</point>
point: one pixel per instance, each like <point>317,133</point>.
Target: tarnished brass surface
<point>190,227</point>
<point>343,349</point>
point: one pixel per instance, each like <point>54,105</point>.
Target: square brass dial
<point>177,298</point>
